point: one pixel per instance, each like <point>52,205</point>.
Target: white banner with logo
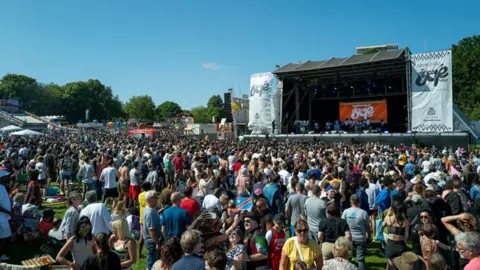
<point>432,102</point>
<point>260,105</point>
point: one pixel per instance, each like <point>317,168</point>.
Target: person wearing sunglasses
<point>468,246</point>
<point>301,248</point>
<point>255,242</point>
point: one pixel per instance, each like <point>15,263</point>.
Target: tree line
<point>73,99</point>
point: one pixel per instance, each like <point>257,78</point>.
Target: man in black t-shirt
<point>330,229</point>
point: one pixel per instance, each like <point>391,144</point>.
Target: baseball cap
<point>279,219</point>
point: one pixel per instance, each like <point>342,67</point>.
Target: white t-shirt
<point>133,177</point>
<point>41,168</point>
<point>109,175</point>
<point>99,216</point>
<point>285,175</point>
<point>426,165</point>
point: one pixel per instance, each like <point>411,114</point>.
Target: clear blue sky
<point>186,51</point>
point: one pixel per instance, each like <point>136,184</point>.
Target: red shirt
<point>45,227</point>
<point>236,167</point>
<point>177,164</point>
<point>192,206</point>
<point>275,249</point>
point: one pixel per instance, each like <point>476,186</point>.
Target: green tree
<point>466,76</point>
<point>201,115</point>
<point>22,88</point>
<point>167,109</point>
<point>140,107</point>
<point>215,107</point>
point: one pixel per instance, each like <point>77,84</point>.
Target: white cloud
<point>212,66</point>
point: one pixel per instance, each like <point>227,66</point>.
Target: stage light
<point>315,91</point>
<point>351,86</point>
<point>368,89</point>
<point>409,131</point>
<point>389,87</point>
<point>374,86</point>
<point>386,132</point>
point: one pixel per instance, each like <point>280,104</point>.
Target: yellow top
<point>310,252</point>
<point>142,203</point>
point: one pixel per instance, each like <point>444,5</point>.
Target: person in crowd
<point>315,212</point>
<point>301,248</point>
<point>398,229</point>
<point>215,260</point>
<point>105,259</point>
<point>170,252</point>
<point>437,262</point>
<point>5,215</point>
<point>191,205</point>
<point>119,211</point>
<point>275,240</point>
<point>124,181</point>
<point>295,206</point>
<point>122,244</point>
<point>257,250</point>
<point>109,177</point>
<point>146,186</point>
<point>342,251</point>
<point>359,225</point>
<point>80,244</point>
<point>330,229</point>
<point>273,195</point>
<point>70,219</point>
<point>66,167</point>
<point>191,245</point>
<point>151,228</point>
<point>175,219</point>
<point>97,213</point>
<point>34,188</point>
<point>236,250</point>
<point>46,222</point>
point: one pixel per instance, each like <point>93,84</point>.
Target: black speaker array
<point>227,106</point>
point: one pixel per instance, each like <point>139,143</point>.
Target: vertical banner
<point>87,112</point>
<point>432,104</point>
<point>260,105</point>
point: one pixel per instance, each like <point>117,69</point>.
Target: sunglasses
<point>302,231</point>
<point>425,217</point>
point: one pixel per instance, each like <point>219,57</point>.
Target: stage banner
<point>432,105</point>
<point>260,105</point>
<point>375,110</point>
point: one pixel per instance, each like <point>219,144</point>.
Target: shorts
<point>134,192</point>
<point>124,186</point>
<point>42,182</point>
<point>64,177</point>
<point>394,248</point>
<point>110,193</point>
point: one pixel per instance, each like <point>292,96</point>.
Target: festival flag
<point>244,203</point>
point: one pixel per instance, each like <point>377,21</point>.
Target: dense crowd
<point>186,201</point>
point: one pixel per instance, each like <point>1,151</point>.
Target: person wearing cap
<point>275,240</point>
<point>409,261</point>
<point>359,224</point>
<point>255,242</point>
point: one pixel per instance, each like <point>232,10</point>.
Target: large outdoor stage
<point>454,139</point>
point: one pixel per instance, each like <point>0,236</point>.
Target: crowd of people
<point>186,201</point>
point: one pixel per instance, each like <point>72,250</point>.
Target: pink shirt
<point>474,264</point>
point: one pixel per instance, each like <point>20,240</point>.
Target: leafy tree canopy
<point>168,109</point>
<point>141,107</point>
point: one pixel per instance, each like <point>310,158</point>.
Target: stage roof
<point>341,62</point>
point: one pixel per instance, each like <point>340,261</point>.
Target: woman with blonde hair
<point>125,247</point>
<point>342,250</point>
<point>119,211</point>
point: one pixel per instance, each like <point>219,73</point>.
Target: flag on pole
<point>244,203</point>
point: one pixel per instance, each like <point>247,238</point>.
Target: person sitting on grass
<point>30,214</point>
<point>55,232</point>
<point>46,223</point>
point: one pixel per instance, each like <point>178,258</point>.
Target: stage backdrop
<point>260,105</point>
<point>432,107</point>
<point>375,110</point>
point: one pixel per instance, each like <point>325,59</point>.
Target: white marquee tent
<point>10,128</point>
<point>26,132</point>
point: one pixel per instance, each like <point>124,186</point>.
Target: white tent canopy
<point>26,132</point>
<point>10,128</point>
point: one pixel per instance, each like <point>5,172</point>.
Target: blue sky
<point>186,51</point>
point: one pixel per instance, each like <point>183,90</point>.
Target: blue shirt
<point>409,168</point>
<point>175,220</point>
<point>383,200</point>
<point>315,171</point>
<point>363,200</point>
<point>272,194</point>
<point>189,262</point>
<point>396,193</point>
<point>151,220</point>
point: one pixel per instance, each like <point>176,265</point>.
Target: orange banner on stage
<point>375,110</point>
